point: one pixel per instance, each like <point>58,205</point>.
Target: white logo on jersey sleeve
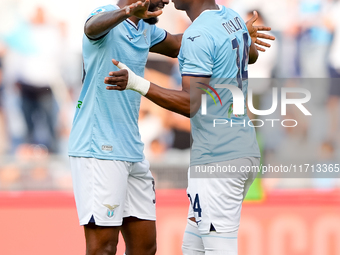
<point>98,10</point>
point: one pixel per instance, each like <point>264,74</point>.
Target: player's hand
<point>125,78</point>
<point>141,10</point>
<point>118,79</point>
<point>253,31</point>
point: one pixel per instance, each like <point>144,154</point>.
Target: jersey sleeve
<point>158,35</point>
<point>95,12</point>
<point>197,54</point>
<point>101,9</point>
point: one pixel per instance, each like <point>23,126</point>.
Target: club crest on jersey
<point>193,38</point>
<point>96,11</point>
<point>110,209</point>
<point>145,36</point>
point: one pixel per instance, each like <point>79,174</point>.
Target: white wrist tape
<point>135,82</point>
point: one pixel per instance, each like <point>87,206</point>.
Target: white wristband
<point>135,82</point>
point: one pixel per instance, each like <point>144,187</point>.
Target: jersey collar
<point>129,21</point>
<point>220,8</point>
<point>133,24</point>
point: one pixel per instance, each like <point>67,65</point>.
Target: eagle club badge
<point>110,210</point>
<point>145,36</point>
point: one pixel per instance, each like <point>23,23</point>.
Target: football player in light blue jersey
<point>216,49</point>
<point>113,186</point>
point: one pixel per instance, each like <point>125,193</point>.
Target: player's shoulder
<point>207,21</point>
<point>195,30</point>
<point>104,8</point>
<point>210,17</point>
<point>194,37</point>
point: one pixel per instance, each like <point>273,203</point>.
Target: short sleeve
<point>101,9</point>
<point>197,54</point>
<point>158,35</point>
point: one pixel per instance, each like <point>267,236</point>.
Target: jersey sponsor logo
<point>193,38</point>
<point>96,11</point>
<point>110,209</point>
<point>107,147</point>
<point>130,38</point>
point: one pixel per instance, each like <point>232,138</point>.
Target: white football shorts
<point>216,202</point>
<point>107,191</point>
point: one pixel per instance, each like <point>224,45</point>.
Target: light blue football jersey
<point>105,125</point>
<point>217,45</point>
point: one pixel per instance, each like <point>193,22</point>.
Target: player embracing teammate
<point>112,182</point>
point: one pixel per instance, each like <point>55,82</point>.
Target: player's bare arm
<point>253,32</point>
<point>184,102</point>
<point>102,23</point>
<point>253,53</point>
<point>173,100</point>
<point>170,46</point>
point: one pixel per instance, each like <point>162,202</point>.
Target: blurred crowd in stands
<point>40,80</point>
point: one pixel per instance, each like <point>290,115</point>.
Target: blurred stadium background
<point>40,80</point>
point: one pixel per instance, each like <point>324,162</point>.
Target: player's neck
<point>122,3</point>
<point>196,9</point>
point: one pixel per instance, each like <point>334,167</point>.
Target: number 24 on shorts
<point>196,205</point>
